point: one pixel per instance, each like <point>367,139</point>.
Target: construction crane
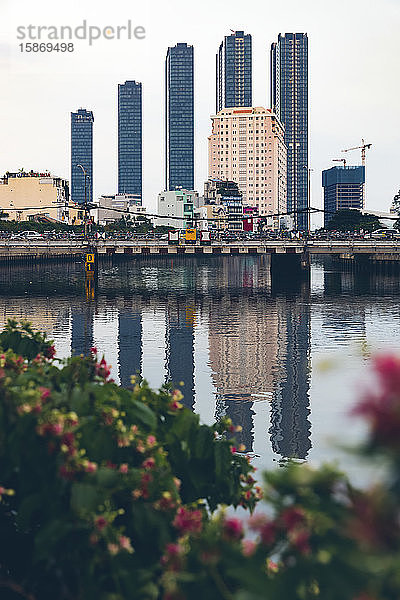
<point>363,148</point>
<point>343,160</point>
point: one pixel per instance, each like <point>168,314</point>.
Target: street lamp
<point>86,209</point>
<point>280,177</point>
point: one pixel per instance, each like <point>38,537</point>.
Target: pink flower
<point>172,558</point>
<point>175,405</point>
<point>257,521</point>
<point>233,529</point>
<point>100,523</point>
<point>188,521</point>
<point>300,540</point>
<point>50,352</point>
<point>44,393</point>
<point>268,533</point>
<point>113,549</point>
<point>381,407</point>
<point>248,547</point>
<point>57,429</point>
<point>149,463</point>
<point>125,543</point>
<point>123,468</point>
<point>292,517</point>
<point>91,467</point>
<point>151,441</point>
<point>272,566</point>
<point>265,527</point>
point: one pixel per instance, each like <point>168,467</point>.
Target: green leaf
<point>204,442</point>
<point>28,506</point>
<point>222,457</point>
<point>106,477</point>
<point>143,414</point>
<point>84,497</point>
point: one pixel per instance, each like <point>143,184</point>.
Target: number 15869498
<point>47,47</point>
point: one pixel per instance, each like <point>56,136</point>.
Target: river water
<point>285,360</point>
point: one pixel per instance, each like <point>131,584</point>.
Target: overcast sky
<point>354,83</point>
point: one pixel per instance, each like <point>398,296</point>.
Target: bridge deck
<point>10,249</point>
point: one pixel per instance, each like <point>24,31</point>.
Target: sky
<point>354,83</point>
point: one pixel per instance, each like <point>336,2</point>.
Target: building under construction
<point>343,188</point>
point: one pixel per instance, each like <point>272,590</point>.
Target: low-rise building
<point>112,208</point>
<point>250,218</point>
<point>175,208</point>
<point>27,195</point>
<point>210,217</point>
<point>225,194</point>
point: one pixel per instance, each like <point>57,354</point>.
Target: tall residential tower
<point>179,118</point>
<point>130,138</point>
<point>289,101</point>
<point>82,154</point>
<point>234,71</point>
<point>247,146</point>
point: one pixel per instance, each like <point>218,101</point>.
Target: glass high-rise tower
<point>234,71</point>
<point>289,101</point>
<point>82,154</point>
<point>130,138</point>
<point>179,118</point>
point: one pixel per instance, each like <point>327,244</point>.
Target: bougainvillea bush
<point>114,494</point>
<point>97,481</point>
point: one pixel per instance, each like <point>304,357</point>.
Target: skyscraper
<point>343,188</point>
<point>130,138</point>
<point>234,70</point>
<point>82,154</point>
<point>289,101</point>
<point>179,118</point>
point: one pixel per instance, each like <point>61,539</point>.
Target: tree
<point>396,202</point>
<point>353,220</point>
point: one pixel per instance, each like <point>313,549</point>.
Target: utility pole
<point>308,197</point>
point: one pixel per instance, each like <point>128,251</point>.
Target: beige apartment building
<point>26,195</point>
<point>247,146</point>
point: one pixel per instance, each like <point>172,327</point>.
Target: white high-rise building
<point>247,146</point>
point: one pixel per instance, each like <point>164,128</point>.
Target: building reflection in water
<point>129,345</point>
<point>242,342</point>
<point>258,342</point>
<point>81,330</point>
<point>290,424</point>
<point>180,349</point>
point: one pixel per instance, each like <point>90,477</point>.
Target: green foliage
<point>92,476</point>
<point>353,220</point>
<point>18,226</point>
<point>23,340</point>
<point>111,494</point>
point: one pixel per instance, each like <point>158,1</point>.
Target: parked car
<point>28,235</point>
<point>380,234</point>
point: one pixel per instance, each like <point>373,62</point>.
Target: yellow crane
<point>363,148</point>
